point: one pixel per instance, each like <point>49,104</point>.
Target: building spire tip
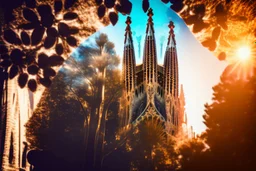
<point>150,12</point>
<point>171,39</point>
<point>171,25</point>
<point>128,20</point>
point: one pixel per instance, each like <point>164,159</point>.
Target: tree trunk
<point>101,118</point>
<point>101,139</point>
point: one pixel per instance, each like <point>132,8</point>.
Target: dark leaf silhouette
<point>63,29</point>
<point>25,38</point>
<point>72,41</point>
<point>44,10</point>
<point>37,35</point>
<point>49,72</point>
<point>222,22</point>
<point>145,5</point>
<point>177,6</point>
<point>17,56</point>
<point>13,71</point>
<point>30,3</point>
<point>59,49</point>
<point>52,32</point>
<point>32,85</point>
<point>22,80</point>
<point>3,49</point>
<point>165,1</point>
<point>98,2</point>
<point>30,15</point>
<point>70,16</point>
<point>28,26</point>
<point>197,28</point>
<point>55,60</point>
<point>216,33</point>
<point>113,18</point>
<point>118,7</point>
<point>58,6</point>
<point>109,3</point>
<point>199,10</point>
<point>6,63</point>
<point>199,25</point>
<point>49,42</point>
<point>33,69</point>
<point>74,30</point>
<point>47,20</point>
<point>210,44</point>
<point>222,56</point>
<point>11,37</point>
<point>69,3</point>
<point>125,7</point>
<point>43,60</point>
<point>220,9</point>
<point>30,58</point>
<point>101,11</point>
<point>18,41</point>
<point>191,19</point>
<point>45,82</point>
<point>5,56</point>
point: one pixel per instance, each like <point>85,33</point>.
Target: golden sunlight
<point>244,53</point>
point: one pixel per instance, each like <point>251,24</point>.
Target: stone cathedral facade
<point>151,90</point>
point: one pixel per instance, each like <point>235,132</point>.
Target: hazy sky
<point>199,70</point>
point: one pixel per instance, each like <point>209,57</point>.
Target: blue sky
<point>199,69</point>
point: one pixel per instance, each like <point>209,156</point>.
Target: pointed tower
<point>186,119</point>
<point>182,117</point>
<point>128,59</point>
<point>171,78</point>
<point>149,56</point>
<point>128,74</point>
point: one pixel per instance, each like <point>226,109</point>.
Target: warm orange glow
<point>244,53</point>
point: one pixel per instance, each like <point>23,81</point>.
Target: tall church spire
<point>149,56</point>
<point>182,115</point>
<point>171,81</point>
<point>128,59</point>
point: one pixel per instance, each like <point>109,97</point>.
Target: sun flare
<point>244,53</point>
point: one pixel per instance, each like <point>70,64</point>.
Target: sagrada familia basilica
<point>152,90</point>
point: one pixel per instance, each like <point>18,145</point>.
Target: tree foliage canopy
<point>230,134</point>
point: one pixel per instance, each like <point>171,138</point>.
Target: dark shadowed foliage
<point>37,23</point>
<point>57,123</point>
<point>150,148</point>
<point>230,133</point>
<point>69,110</point>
